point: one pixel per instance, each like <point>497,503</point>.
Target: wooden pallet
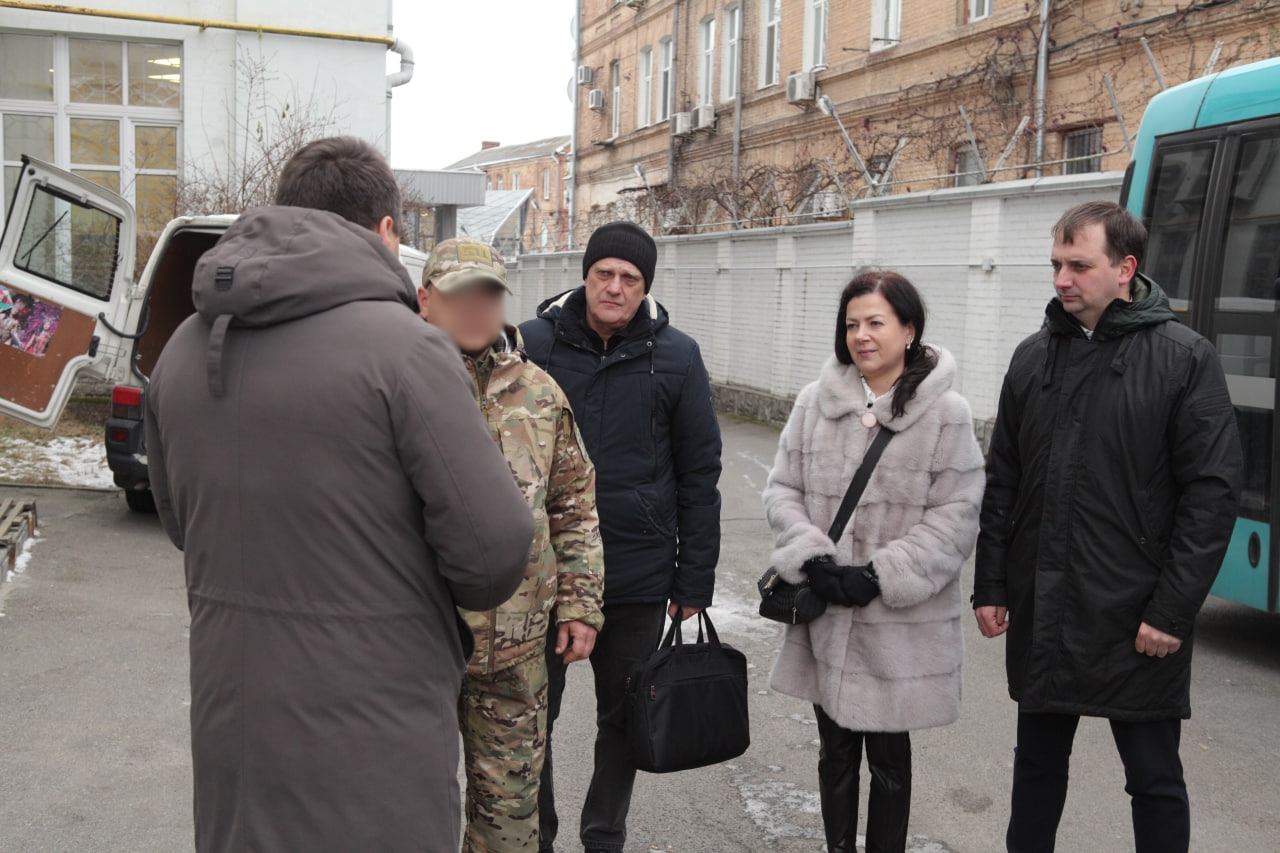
<point>17,524</point>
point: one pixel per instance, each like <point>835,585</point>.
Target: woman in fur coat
<point>884,658</point>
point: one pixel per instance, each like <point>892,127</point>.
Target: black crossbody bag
<point>796,604</point>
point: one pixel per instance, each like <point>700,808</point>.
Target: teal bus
<point>1205,179</point>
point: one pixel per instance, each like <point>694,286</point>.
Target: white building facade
<point>133,94</point>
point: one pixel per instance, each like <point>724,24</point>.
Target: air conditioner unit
<point>828,203</point>
<point>682,124</point>
<point>595,99</point>
<point>704,117</point>
<point>800,88</point>
<point>586,75</point>
<point>634,4</point>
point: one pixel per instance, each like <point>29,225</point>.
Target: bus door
<point>1214,217</point>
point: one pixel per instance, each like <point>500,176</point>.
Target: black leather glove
<point>861,584</point>
<point>825,579</point>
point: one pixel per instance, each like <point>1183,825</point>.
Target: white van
<point>69,310</point>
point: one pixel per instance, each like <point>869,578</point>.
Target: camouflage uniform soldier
<point>503,707</point>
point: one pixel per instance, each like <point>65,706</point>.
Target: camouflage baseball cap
<point>463,262</point>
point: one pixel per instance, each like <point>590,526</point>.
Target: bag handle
<point>675,637</point>
<point>859,484</point>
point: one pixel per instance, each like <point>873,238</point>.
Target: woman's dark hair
<point>907,305</point>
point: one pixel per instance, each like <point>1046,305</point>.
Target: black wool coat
<point>1112,487</point>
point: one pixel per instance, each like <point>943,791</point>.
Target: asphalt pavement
<point>94,744</point>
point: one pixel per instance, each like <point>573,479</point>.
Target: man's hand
<point>1154,642</point>
<point>685,612</point>
<point>575,641</point>
<point>992,621</point>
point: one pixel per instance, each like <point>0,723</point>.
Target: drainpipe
<point>1042,81</point>
<point>671,120</point>
<point>737,106</point>
<point>398,78</point>
<point>573,138</point>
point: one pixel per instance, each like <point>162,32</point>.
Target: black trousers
<point>1153,780</point>
<point>889,803</point>
<point>631,633</point>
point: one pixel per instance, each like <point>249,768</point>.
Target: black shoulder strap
<point>859,484</point>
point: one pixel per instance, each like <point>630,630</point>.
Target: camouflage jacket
<point>533,424</point>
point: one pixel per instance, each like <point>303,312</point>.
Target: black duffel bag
<point>687,704</point>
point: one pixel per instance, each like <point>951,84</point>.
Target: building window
<point>731,70</point>
<point>706,58</point>
<point>515,181</point>
<point>969,167</point>
<point>886,23</point>
<point>499,184</point>
<point>615,99</point>
<point>114,117</point>
<point>815,33</point>
<point>644,95</point>
<point>665,83</point>
<point>1082,149</point>
<point>770,41</point>
<point>979,9</point>
<point>546,184</point>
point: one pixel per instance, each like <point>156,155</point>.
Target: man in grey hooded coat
<point>316,451</point>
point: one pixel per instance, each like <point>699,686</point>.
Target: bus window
<point>1245,317</point>
<point>1251,256</point>
<point>1175,206</point>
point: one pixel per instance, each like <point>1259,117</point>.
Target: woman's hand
<point>826,579</point>
<point>861,584</point>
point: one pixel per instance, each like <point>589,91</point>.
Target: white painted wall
<point>349,75</point>
<point>762,303</point>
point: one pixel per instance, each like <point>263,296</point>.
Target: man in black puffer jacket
<point>1112,487</point>
<point>642,399</point>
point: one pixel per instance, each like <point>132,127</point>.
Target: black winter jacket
<point>644,408</point>
<point>1112,487</point>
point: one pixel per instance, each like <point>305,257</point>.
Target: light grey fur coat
<point>893,665</point>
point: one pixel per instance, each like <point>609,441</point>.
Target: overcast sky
<point>485,69</point>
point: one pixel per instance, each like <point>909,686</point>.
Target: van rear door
<point>65,261</point>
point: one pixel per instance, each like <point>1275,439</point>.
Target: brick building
<point>540,166</point>
<point>704,114</point>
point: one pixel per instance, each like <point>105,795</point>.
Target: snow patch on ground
<point>20,565</point>
<point>770,803</point>
<point>56,461</point>
<point>21,561</point>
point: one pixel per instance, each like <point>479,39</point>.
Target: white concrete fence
<point>762,302</point>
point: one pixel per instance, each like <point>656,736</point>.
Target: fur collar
<point>840,392</point>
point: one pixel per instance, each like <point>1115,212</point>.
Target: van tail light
<point>126,402</point>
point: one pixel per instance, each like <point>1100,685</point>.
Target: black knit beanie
<point>625,241</point>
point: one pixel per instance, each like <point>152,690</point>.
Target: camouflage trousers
<point>503,718</point>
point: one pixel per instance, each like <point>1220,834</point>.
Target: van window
<point>69,243</point>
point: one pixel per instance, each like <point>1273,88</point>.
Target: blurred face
<point>615,289</point>
<point>877,340</point>
<point>1084,277</point>
<point>472,316</point>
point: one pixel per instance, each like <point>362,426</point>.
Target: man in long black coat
<point>1112,488</point>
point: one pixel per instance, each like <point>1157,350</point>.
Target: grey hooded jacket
<point>316,451</point>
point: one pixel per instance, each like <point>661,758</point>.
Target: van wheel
<point>140,500</point>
